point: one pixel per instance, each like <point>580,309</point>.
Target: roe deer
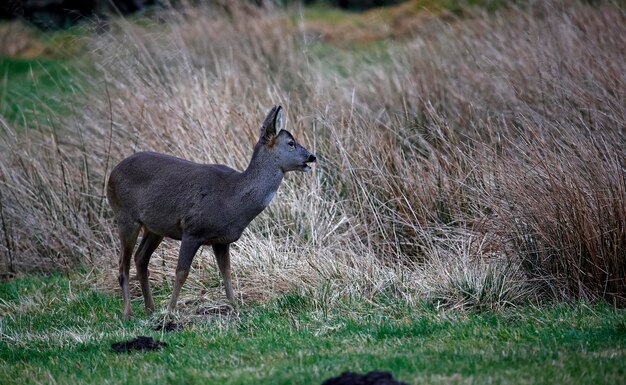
<point>199,204</point>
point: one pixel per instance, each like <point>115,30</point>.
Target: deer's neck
<point>260,181</point>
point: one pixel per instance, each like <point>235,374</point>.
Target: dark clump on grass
<point>169,326</point>
<point>140,343</point>
<point>371,378</point>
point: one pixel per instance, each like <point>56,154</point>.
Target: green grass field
<point>33,91</point>
<point>56,330</point>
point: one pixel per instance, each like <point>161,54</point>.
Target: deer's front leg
<point>188,248</point>
<point>222,254</point>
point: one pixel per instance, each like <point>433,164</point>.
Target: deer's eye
<point>291,143</point>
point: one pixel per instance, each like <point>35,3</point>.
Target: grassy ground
<point>39,73</point>
<point>33,89</point>
<point>56,330</point>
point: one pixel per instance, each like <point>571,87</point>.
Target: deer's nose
<point>312,158</point>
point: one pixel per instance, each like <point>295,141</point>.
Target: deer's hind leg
<point>128,232</point>
<point>149,242</point>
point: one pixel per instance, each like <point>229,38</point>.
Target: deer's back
<point>167,194</point>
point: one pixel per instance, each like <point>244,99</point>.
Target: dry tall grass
<point>479,165</point>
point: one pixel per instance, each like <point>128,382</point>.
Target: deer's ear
<point>272,122</point>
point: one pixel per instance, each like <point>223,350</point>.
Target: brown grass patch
<point>476,167</point>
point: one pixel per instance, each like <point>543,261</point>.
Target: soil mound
<point>371,378</point>
<point>140,343</point>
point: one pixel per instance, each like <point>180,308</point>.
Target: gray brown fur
<point>199,204</point>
